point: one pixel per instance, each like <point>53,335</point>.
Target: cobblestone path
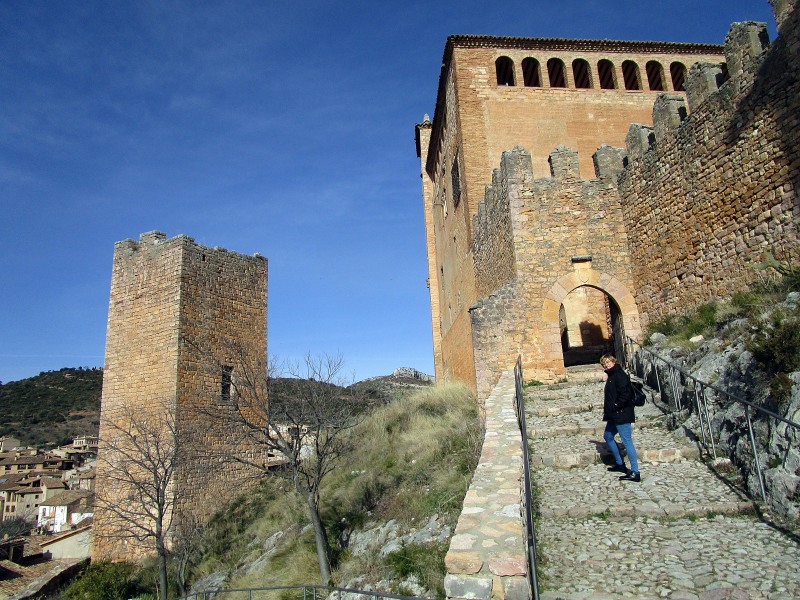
<point>684,532</point>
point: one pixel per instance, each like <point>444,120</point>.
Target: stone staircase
<point>685,532</point>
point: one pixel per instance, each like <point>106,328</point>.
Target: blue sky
<point>285,128</point>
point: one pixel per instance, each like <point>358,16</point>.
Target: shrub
<point>107,581</point>
<point>425,561</point>
<point>697,322</point>
<point>667,326</point>
<point>776,348</point>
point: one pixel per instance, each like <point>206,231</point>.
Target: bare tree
<point>140,452</point>
<point>187,548</point>
<point>291,420</point>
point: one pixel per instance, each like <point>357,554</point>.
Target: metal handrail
<point>675,376</point>
<point>529,527</point>
<point>309,592</point>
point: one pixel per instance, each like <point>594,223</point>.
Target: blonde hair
<point>606,357</point>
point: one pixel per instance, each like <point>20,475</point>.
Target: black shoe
<point>617,469</point>
<point>631,476</point>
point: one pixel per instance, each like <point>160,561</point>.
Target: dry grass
<point>414,457</point>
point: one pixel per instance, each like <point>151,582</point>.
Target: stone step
<point>566,410</point>
<point>585,373</point>
<point>653,444</point>
<point>539,393</point>
<point>593,427</point>
<point>671,490</point>
<point>602,557</point>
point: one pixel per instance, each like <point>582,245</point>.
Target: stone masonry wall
<point>452,221</point>
<point>566,233</point>
<point>493,237</point>
<point>165,293</point>
<point>705,195</point>
<point>141,358</point>
<point>487,558</point>
<point>224,315</point>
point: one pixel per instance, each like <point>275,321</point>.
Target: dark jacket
<point>618,397</point>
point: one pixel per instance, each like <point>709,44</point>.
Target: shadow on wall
<point>593,345</point>
<point>779,70</point>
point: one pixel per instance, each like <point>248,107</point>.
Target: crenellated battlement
<point>712,185</point>
<point>540,244</point>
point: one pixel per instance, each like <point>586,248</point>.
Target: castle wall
<point>567,234</point>
<point>223,322</point>
<point>477,119</point>
<point>173,304</point>
<point>705,195</point>
<point>452,281</point>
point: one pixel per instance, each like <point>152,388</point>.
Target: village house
<point>64,510</point>
<point>21,495</point>
<point>9,443</point>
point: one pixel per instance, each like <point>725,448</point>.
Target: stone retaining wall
<point>487,555</point>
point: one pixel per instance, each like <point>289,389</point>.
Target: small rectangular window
<point>456,179</point>
<point>226,379</point>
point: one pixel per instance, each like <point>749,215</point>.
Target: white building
<point>64,510</point>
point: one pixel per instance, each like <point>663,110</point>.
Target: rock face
<point>731,367</point>
<point>409,373</point>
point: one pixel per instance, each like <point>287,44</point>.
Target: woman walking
<point>619,417</point>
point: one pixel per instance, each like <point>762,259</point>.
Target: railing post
<point>755,452</point>
<point>708,421</point>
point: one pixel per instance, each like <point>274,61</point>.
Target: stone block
<point>638,140</point>
<point>466,563</point>
<point>608,162</point>
<point>744,46</point>
<point>702,80</point>
<point>506,566</point>
<point>563,163</point>
<point>468,587</point>
<point>669,111</point>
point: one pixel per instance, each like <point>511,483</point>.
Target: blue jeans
<point>625,431</point>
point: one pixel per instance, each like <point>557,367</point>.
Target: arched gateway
<point>593,311</point>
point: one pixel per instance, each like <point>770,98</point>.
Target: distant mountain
<point>53,407</point>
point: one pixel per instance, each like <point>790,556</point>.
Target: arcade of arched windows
<point>605,75</point>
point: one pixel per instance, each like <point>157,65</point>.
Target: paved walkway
<point>684,532</point>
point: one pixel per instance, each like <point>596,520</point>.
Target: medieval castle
<point>553,221</point>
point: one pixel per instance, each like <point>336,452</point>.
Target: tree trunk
<point>163,587</point>
<point>320,536</point>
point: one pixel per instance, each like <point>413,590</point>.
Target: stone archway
<point>552,327</point>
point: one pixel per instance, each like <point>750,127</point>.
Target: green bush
<point>697,322</point>
<point>107,581</point>
<point>666,325</point>
<point>425,561</point>
<point>776,349</point>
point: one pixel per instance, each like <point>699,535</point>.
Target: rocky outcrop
<point>728,365</point>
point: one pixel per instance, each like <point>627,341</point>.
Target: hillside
<point>389,507</point>
<point>53,407</point>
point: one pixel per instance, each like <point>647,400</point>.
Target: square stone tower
<point>176,307</point>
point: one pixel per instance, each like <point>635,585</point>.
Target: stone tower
<point>498,93</point>
<point>174,304</point>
